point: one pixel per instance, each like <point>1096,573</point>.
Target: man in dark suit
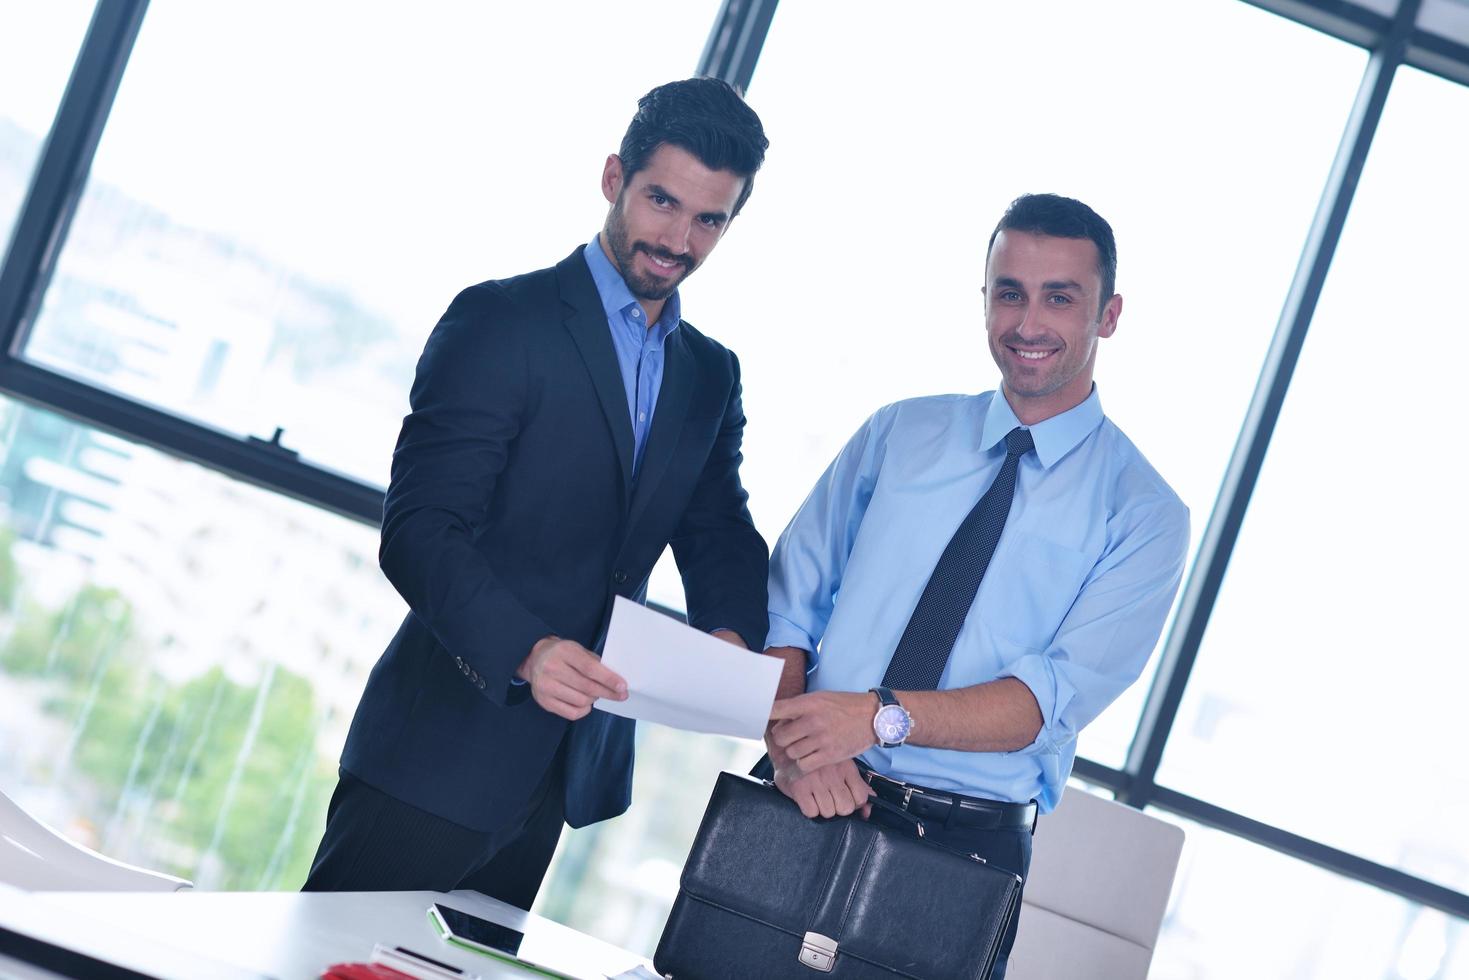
<point>565,426</point>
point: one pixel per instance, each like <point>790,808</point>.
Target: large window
<point>1329,682</point>
<point>285,198</point>
<point>38,43</point>
<point>180,654</point>
<point>1239,910</point>
<point>288,196</point>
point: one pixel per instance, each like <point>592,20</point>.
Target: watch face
<point>891,723</point>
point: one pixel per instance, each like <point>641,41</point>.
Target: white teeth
<point>662,264</point>
<point>1033,355</point>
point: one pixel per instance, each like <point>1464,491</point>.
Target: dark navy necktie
<point>923,652</point>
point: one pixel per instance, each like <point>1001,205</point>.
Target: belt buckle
<point>908,791</point>
<point>874,774</point>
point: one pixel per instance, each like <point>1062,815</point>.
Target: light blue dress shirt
<point>639,349</point>
<point>1072,604</point>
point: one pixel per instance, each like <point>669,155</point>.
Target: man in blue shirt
<point>1084,557</point>
<point>565,427</point>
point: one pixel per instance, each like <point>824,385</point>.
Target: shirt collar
<point>1054,438</point>
<point>617,299</point>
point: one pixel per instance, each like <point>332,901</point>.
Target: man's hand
<point>565,678</point>
<point>730,636</point>
<point>823,728</point>
<point>831,791</point>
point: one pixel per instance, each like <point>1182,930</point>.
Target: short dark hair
<point>704,116</point>
<point>1063,217</point>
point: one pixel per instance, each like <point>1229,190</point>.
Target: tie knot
<point>1018,442</point>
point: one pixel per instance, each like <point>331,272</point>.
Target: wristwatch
<point>892,724</point>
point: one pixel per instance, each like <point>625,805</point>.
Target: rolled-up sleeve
<point>1107,636</point>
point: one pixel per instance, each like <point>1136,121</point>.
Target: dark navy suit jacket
<point>512,514</point>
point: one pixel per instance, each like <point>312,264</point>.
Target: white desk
<point>284,935</point>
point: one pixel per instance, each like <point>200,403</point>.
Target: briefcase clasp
<point>818,952</point>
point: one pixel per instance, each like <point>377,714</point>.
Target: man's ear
<point>612,178</point>
<point>1110,313</point>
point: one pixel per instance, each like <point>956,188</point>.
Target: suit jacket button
<point>481,683</point>
<point>620,577</point>
<point>459,662</point>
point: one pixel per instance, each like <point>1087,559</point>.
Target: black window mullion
<point>1201,590</point>
<point>255,461</point>
<point>1314,852</point>
<point>1439,56</point>
<point>61,172</point>
<point>735,41</point>
<point>1342,19</point>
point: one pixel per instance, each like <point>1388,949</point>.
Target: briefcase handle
<point>916,822</point>
<point>892,809</point>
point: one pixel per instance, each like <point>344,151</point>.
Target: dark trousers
<point>1005,849</point>
<point>375,842</point>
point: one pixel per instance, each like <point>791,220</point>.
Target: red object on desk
<point>362,971</point>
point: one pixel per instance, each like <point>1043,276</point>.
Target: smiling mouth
<point>669,264</point>
<point>1032,355</point>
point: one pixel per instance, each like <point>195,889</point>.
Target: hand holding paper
<point>681,677</point>
<point>566,678</point>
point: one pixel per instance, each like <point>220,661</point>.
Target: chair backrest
<point>1099,880</point>
<point>37,858</point>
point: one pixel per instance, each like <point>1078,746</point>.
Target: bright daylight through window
<point>181,652</point>
<point>1322,595</point>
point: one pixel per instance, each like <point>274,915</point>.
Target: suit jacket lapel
<point>587,323</point>
<point>668,419</point>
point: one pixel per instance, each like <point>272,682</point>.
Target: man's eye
<point>659,199</point>
<point>1059,300</point>
<point>1009,295</point>
<point>709,222</point>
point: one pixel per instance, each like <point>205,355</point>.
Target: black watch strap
<point>885,697</point>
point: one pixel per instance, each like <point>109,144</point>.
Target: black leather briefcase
<point>769,893</point>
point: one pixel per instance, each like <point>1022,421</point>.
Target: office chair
<point>1100,875</point>
<point>36,858</point>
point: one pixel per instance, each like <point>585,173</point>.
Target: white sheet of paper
<point>681,677</point>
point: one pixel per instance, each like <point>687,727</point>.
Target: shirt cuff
<point>1037,672</point>
<point>784,633</point>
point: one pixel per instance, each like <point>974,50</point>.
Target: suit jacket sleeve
<point>466,406</point>
<point>722,558</point>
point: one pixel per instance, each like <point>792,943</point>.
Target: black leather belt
<point>938,807</point>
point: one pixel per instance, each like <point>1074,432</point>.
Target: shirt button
<point>637,313</point>
<point>642,417</point>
